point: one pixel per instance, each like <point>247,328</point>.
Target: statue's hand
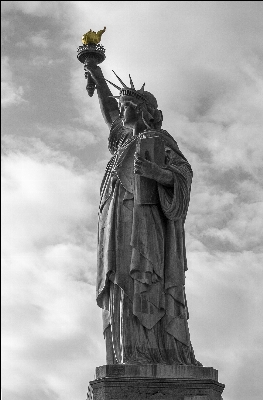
<point>94,70</point>
<point>145,168</point>
<point>151,170</point>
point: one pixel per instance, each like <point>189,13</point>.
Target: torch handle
<point>90,85</point>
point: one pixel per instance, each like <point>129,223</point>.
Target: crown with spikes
<point>129,91</point>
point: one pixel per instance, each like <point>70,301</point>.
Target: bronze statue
<point>145,194</point>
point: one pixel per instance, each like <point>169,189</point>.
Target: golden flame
<point>92,37</point>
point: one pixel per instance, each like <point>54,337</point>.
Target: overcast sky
<point>204,63</point>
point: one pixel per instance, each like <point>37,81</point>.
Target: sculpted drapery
<point>142,261</point>
<point>141,244</point>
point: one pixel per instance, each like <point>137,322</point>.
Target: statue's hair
<point>150,99</point>
<point>152,117</point>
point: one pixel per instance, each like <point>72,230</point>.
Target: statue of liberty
<point>144,199</point>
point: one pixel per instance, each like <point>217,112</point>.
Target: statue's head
<point>144,103</point>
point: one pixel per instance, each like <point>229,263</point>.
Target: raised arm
<point>109,106</point>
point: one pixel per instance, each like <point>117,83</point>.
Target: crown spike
<point>113,84</point>
<point>131,82</point>
<point>123,84</point>
<point>115,97</point>
<point>142,89</point>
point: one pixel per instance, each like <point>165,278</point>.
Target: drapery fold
<point>142,264</point>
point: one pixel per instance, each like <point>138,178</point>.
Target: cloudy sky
<point>204,63</point>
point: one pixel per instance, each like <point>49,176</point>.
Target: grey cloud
<point>250,371</point>
<point>31,394</point>
<point>229,180</point>
<point>35,8</point>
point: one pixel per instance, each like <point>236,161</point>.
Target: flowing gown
<point>142,262</point>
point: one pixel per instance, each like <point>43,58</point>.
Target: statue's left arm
<point>174,182</point>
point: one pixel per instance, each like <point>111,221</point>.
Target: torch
<point>91,49</point>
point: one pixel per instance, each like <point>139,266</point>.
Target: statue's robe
<point>142,262</point>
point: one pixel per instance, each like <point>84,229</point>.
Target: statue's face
<point>128,113</point>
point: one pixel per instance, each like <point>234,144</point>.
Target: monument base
<point>155,382</point>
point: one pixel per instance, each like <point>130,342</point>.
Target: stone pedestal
<point>156,382</point>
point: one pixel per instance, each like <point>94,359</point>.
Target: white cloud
<point>51,200</point>
<point>222,221</point>
<point>54,330</point>
<point>35,149</point>
<point>74,137</point>
<point>51,324</point>
<point>10,93</point>
<point>224,298</point>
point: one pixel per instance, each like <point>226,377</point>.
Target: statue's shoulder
<point>167,138</point>
<point>173,152</point>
